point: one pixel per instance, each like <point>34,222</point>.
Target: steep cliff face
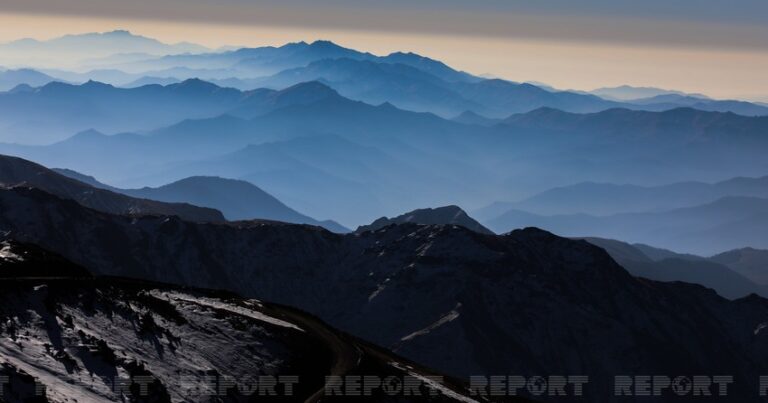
<point>527,302</point>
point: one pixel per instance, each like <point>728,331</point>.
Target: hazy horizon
<point>722,56</point>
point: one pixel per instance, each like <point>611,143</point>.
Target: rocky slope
<point>527,302</point>
<point>105,339</point>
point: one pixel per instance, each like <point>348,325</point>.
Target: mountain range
<point>415,82</point>
<point>630,93</point>
<point>421,289</point>
<point>334,156</point>
<point>733,274</point>
<point>384,160</point>
<point>635,241</point>
<point>74,50</point>
<point>726,276</point>
<point>727,223</point>
<point>606,198</point>
<point>93,105</point>
<point>407,80</point>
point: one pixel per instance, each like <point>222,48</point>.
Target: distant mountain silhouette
<point>271,60</point>
<point>10,79</point>
<point>501,98</point>
<point>727,223</point>
<point>720,277</point>
<point>238,200</point>
<point>630,93</point>
<point>472,118</point>
<point>333,64</point>
<point>80,47</point>
<point>739,107</point>
<point>93,105</point>
<point>19,172</point>
<point>413,88</point>
<point>605,198</point>
<point>658,254</point>
<point>749,262</point>
<point>448,215</point>
<point>624,123</point>
<point>431,66</point>
<point>671,99</point>
<point>376,83</point>
<point>148,80</point>
<point>413,159</point>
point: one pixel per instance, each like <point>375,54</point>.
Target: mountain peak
<point>322,43</point>
<point>447,215</point>
<point>96,84</point>
<point>88,134</point>
<point>387,105</point>
<point>195,84</point>
<point>119,32</point>
<point>308,90</point>
<point>21,88</point>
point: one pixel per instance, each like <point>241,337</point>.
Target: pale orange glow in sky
<point>579,65</point>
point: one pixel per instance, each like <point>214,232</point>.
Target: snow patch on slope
<point>449,317</point>
<point>434,384</point>
<point>6,253</point>
<point>215,304</point>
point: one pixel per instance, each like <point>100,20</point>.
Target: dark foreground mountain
<point>527,302</point>
<point>18,172</point>
<point>448,215</point>
<point>29,261</point>
<point>106,339</point>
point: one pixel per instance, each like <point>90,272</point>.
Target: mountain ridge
<point>423,267</point>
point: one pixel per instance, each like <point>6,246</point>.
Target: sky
<point>703,46</point>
